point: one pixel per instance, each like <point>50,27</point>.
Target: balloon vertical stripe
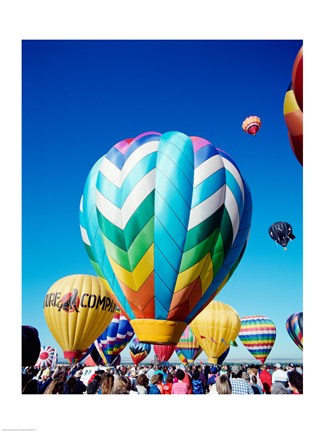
<point>294,326</point>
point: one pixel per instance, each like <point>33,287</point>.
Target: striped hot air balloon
<point>163,352</point>
<point>258,335</point>
<point>115,338</point>
<point>188,348</point>
<point>251,125</point>
<point>138,351</point>
<point>294,326</point>
<point>46,357</point>
<point>172,222</point>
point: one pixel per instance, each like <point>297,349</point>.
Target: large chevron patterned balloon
<point>172,220</point>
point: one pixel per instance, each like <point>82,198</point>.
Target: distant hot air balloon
<point>164,269</point>
<point>251,125</point>
<point>31,345</point>
<point>115,337</point>
<point>294,122</point>
<point>258,335</point>
<point>297,78</point>
<point>215,328</point>
<point>77,309</point>
<point>138,350</point>
<point>188,348</point>
<point>294,326</point>
<point>46,357</point>
<point>163,352</point>
<point>281,233</point>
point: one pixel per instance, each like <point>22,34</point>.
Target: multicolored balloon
<point>30,345</point>
<point>77,309</point>
<point>258,335</point>
<point>294,326</point>
<point>162,269</point>
<point>281,233</point>
<point>215,328</point>
<point>188,348</point>
<point>294,121</point>
<point>115,337</point>
<point>251,125</point>
<point>163,352</point>
<point>46,357</point>
<point>138,350</point>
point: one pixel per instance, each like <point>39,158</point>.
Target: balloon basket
<point>163,332</point>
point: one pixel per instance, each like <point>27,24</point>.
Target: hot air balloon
<point>77,309</point>
<point>251,125</point>
<point>115,337</point>
<point>188,348</point>
<point>258,335</point>
<point>138,350</point>
<point>297,78</point>
<point>294,121</point>
<point>215,328</point>
<point>46,357</point>
<point>162,268</point>
<point>31,345</point>
<point>294,326</point>
<point>281,233</point>
<point>163,352</point>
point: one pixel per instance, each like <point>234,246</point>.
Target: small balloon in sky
<point>281,233</point>
<point>251,125</point>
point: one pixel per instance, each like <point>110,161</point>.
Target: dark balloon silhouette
<point>31,346</point>
<point>281,233</point>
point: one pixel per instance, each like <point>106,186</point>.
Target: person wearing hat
<point>239,385</point>
<point>279,375</point>
<point>46,379</point>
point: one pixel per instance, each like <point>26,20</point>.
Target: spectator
<point>279,375</point>
<point>239,385</point>
<point>180,387</point>
<point>295,382</point>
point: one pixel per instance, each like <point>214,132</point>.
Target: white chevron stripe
<point>81,204</point>
<point>233,211</point>
<point>120,217</point>
<point>206,208</point>
<point>84,236</point>
<point>117,176</point>
<point>207,168</point>
<point>231,168</point>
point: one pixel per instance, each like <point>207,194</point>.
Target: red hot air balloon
<point>163,352</point>
<point>251,125</point>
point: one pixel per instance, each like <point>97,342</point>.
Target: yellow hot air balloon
<point>77,309</point>
<point>215,328</point>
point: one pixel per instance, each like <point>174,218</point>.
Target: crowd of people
<point>166,379</point>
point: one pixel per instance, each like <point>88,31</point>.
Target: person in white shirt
<point>279,375</point>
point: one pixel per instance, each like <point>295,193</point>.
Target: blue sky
<point>81,97</point>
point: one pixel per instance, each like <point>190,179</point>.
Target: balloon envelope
<point>163,352</point>
<point>46,357</point>
<point>31,346</point>
<point>138,350</point>
<point>258,335</point>
<point>115,337</point>
<point>297,78</point>
<point>294,121</point>
<point>251,125</point>
<point>294,326</point>
<point>188,348</point>
<point>281,233</point>
<point>162,268</point>
<point>215,328</point>
<point>77,309</point>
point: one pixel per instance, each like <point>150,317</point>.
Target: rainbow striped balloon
<point>115,338</point>
<point>294,326</point>
<point>172,219</point>
<point>258,335</point>
<point>188,348</point>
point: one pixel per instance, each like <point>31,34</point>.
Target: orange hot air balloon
<point>77,309</point>
<point>297,78</point>
<point>251,125</point>
<point>294,122</point>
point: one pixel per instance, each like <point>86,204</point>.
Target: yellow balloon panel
<point>215,328</point>
<point>77,309</point>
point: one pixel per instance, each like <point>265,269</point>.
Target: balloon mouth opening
<point>73,356</point>
<point>162,332</point>
<point>213,360</point>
